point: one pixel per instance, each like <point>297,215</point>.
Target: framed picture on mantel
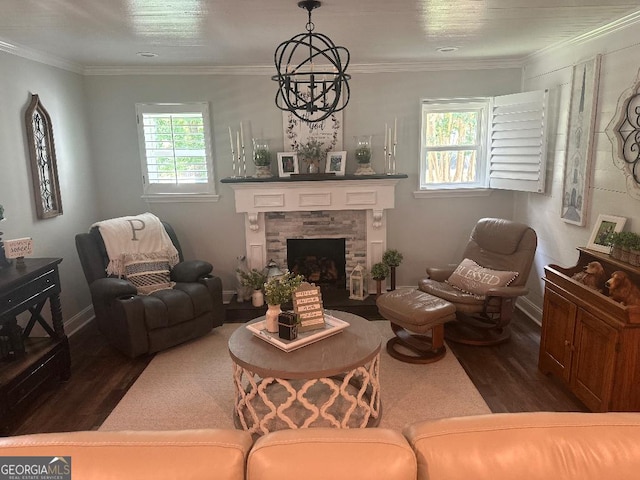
<point>287,163</point>
<point>336,162</point>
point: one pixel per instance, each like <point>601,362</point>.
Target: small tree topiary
<point>392,258</point>
<point>379,271</point>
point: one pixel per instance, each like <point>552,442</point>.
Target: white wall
<point>607,193</point>
<point>62,94</point>
<point>426,231</point>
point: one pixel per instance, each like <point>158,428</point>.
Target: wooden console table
<point>589,341</point>
<point>29,364</point>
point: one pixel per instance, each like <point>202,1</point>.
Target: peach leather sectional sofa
<point>517,446</point>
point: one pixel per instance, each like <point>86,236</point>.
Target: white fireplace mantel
<point>254,199</point>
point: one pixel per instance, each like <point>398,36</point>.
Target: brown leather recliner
<point>143,324</point>
<point>495,244</point>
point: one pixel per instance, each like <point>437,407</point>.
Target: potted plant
<point>278,290</point>
<point>634,250</point>
<point>311,152</point>
<point>621,243</point>
<point>256,280</point>
<point>392,258</point>
<point>379,271</point>
<point>614,242</point>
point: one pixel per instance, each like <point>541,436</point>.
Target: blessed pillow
<point>148,272</point>
<point>469,277</point>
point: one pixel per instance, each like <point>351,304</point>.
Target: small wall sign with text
<point>307,303</point>
<point>19,247</point>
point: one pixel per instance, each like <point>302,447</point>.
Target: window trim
<point>177,192</point>
<point>479,104</point>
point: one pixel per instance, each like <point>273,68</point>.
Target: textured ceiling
<point>102,33</point>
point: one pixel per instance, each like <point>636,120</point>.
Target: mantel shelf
<point>313,177</point>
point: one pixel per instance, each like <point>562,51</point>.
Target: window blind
<point>174,146</point>
<point>518,141</point>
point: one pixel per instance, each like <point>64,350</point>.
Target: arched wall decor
<point>42,153</point>
<point>624,134</point>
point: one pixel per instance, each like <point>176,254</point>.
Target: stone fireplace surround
<point>323,209</point>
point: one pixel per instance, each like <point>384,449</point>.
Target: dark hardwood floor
<point>506,375</point>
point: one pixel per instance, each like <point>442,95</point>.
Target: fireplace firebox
<point>321,261</point>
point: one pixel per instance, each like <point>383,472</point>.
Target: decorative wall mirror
<point>624,133</point>
<point>44,169</point>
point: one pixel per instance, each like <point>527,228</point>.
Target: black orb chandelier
<point>312,79</point>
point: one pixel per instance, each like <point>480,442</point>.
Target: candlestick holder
<point>392,160</point>
<point>244,164</point>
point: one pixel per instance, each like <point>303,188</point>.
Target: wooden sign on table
<point>19,247</point>
<point>307,303</point>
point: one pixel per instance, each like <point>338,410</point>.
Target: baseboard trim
<point>530,309</point>
<point>227,295</point>
<point>79,321</point>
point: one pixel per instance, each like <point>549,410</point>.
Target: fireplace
<point>321,261</point>
<point>353,209</point>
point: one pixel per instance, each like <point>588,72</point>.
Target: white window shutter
<point>518,141</point>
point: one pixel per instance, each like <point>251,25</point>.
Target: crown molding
<point>263,70</point>
<point>432,66</point>
<point>260,70</point>
<point>40,57</point>
<point>625,22</point>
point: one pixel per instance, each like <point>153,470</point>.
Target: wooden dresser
<point>28,365</point>
<point>589,341</point>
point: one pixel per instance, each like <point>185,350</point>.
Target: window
<point>175,147</point>
<point>452,150</point>
<point>483,143</point>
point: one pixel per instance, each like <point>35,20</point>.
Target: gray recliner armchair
<point>143,324</point>
<point>500,245</point>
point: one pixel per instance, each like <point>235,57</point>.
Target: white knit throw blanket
<point>142,235</point>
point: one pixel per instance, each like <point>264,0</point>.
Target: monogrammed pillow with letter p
<point>469,277</point>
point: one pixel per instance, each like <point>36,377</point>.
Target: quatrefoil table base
<point>332,383</point>
<point>351,400</point>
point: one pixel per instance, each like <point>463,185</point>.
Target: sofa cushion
<point>167,307</point>
<point>187,454</point>
<point>328,453</point>
<point>147,272</point>
<point>469,277</point>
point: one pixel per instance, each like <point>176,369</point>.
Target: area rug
<point>190,386</point>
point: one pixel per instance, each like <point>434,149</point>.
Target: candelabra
<point>238,157</point>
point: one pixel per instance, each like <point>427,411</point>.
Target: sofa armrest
<point>314,453</point>
<point>190,271</point>
<point>109,288</point>
<point>141,455</point>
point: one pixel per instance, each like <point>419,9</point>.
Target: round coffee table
<point>331,383</point>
